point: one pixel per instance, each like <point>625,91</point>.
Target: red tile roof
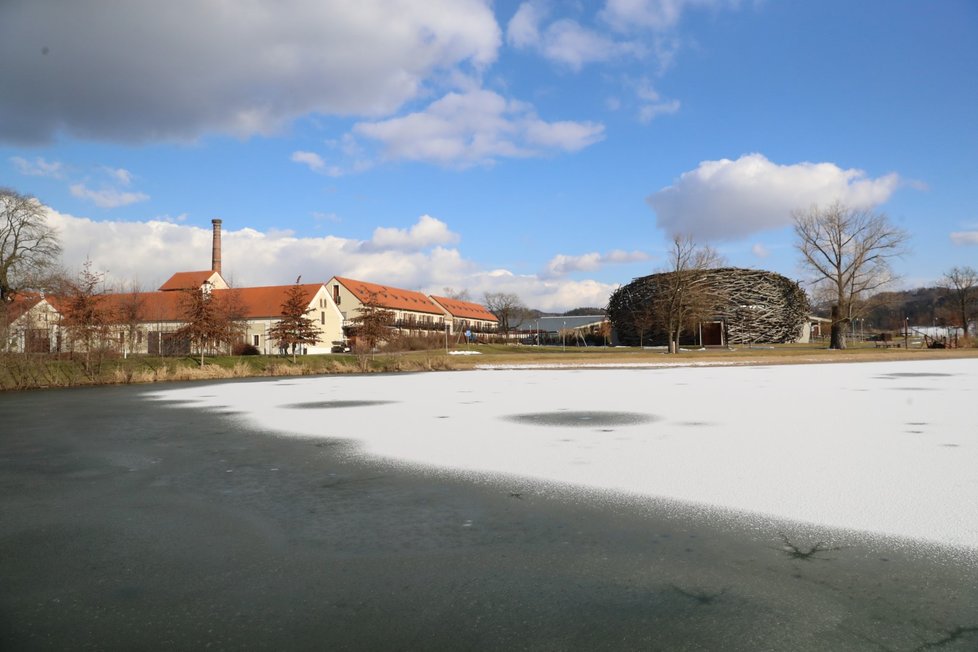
<point>152,306</point>
<point>184,280</point>
<point>267,301</point>
<point>465,309</point>
<point>256,302</point>
<point>21,303</point>
<point>390,298</point>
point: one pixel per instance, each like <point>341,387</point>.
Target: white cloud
<point>39,167</point>
<point>725,200</point>
<point>120,175</point>
<point>244,71</point>
<point>313,160</point>
<point>177,219</point>
<point>550,295</point>
<point>107,197</point>
<point>427,232</point>
<point>965,237</point>
<point>658,15</point>
<point>562,264</point>
<point>523,30</point>
<point>150,252</point>
<point>760,250</point>
<point>565,41</point>
<point>651,103</point>
<point>476,128</point>
<point>648,112</point>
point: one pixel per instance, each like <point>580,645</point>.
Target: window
<point>336,294</point>
<point>256,340</point>
<point>322,317</point>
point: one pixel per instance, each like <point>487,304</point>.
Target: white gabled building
<point>467,317</point>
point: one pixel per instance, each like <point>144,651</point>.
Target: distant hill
<point>580,312</point>
<point>922,306</point>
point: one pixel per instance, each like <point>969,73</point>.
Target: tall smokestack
<point>216,247</point>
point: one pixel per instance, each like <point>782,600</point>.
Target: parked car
<point>340,347</point>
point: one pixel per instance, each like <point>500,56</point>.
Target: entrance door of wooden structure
<point>712,333</point>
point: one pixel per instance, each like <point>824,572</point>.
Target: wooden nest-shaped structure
<point>733,306</point>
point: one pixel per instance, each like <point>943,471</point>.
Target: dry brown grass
<point>33,372</point>
<point>781,354</point>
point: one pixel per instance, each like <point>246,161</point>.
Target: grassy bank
<point>18,371</point>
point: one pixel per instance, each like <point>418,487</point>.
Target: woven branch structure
<point>750,305</point>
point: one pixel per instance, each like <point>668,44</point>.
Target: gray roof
<point>556,324</point>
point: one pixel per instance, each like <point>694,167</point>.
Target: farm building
<point>737,306</point>
<point>467,317</point>
<point>147,322</point>
<point>413,313</point>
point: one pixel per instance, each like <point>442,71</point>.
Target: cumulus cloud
<point>119,175</point>
<point>39,167</point>
<point>476,128</point>
<point>658,15</point>
<point>150,252</point>
<point>965,237</point>
<point>726,200</point>
<point>427,232</point>
<point>565,41</point>
<point>523,30</point>
<point>311,159</point>
<point>177,69</point>
<point>562,264</point>
<point>107,197</point>
<point>651,104</point>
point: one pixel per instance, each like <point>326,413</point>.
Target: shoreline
<point>25,374</point>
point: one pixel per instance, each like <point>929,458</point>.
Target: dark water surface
<point>129,524</point>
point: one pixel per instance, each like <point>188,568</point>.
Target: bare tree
<point>458,295</point>
<point>86,317</point>
<point>507,307</point>
<point>643,319</point>
<point>28,244</point>
<point>848,250</point>
<point>961,285</point>
<point>686,295</point>
<point>129,310</point>
<point>232,317</point>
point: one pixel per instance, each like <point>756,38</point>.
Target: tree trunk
<point>838,339</point>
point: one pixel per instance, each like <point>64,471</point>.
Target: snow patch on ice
<point>820,444</point>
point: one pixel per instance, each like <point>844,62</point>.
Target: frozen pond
<point>884,449</point>
<point>671,509</point>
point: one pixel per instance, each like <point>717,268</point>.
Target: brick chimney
<point>216,247</point>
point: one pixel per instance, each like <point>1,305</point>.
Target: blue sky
<point>545,148</point>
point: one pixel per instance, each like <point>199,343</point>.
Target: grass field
<point>18,372</point>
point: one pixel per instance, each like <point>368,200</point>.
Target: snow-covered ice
<point>887,448</point>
